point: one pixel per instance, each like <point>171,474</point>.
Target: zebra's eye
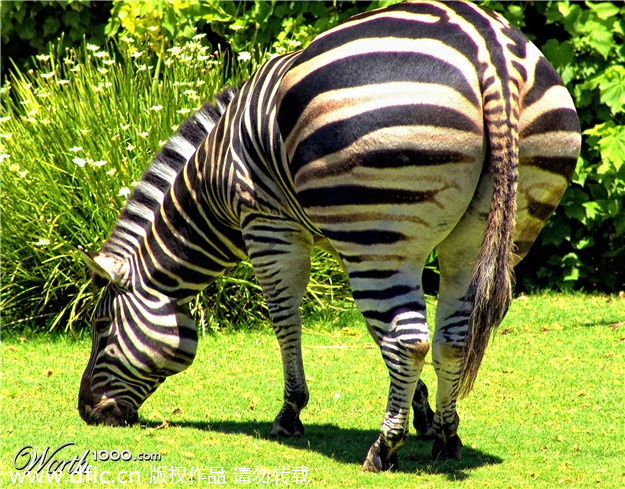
<point>101,324</point>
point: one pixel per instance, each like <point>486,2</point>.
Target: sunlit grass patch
<point>547,410</point>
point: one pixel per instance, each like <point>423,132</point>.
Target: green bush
<point>76,134</point>
<point>239,26</point>
<point>28,27</point>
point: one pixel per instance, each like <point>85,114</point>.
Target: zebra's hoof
<point>447,448</point>
<point>380,459</point>
<point>287,424</point>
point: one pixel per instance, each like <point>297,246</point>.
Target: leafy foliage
<point>74,133</point>
<point>28,27</point>
<point>240,26</point>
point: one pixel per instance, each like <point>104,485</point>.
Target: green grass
<point>547,410</point>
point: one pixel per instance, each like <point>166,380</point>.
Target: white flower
<point>42,242</point>
<point>103,71</point>
<point>124,126</point>
<point>123,192</point>
<point>108,61</point>
<point>136,54</point>
<point>80,162</point>
<point>43,57</point>
<point>175,50</point>
<point>93,47</point>
<point>183,111</point>
<point>101,54</point>
<point>5,119</point>
<point>48,75</point>
<point>144,134</point>
<point>130,147</point>
<point>75,149</point>
<point>62,82</point>
<point>4,156</point>
<point>128,39</point>
<point>244,56</point>
<point>111,172</point>
<point>156,108</point>
<point>98,163</point>
<point>199,36</point>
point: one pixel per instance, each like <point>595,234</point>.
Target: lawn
<point>547,411</point>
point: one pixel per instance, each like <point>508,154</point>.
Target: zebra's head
<point>139,337</point>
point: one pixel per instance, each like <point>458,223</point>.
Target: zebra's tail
<point>493,276</point>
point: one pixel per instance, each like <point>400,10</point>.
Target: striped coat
<point>417,127</point>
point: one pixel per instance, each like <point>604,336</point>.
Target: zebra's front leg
<point>279,250</point>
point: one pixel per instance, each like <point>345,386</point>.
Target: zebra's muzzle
<point>107,412</point>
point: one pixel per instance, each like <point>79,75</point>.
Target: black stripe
<point>361,195</point>
<point>545,77</point>
<point>373,274</point>
<point>338,135</point>
<point>367,237</point>
<point>387,316</point>
<point>382,294</point>
<point>562,165</point>
<point>561,119</point>
<point>366,69</point>
<point>540,210</point>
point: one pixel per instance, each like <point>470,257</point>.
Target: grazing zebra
<point>400,131</point>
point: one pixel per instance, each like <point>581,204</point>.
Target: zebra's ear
<point>107,267</point>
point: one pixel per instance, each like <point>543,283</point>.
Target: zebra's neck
<point>187,246</point>
<point>156,203</point>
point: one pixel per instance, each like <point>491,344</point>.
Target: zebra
<point>415,127</point>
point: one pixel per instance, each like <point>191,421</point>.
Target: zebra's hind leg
<point>456,256</point>
<point>279,250</point>
<point>423,420</point>
<point>393,305</point>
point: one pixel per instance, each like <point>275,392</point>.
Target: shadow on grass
<point>350,446</point>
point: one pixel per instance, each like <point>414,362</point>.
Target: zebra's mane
<point>149,193</point>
